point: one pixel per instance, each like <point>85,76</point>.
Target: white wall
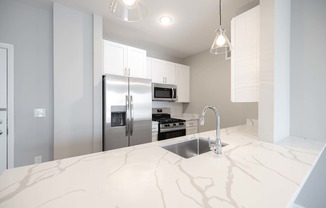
<point>29,29</point>
<point>73,82</point>
<point>210,81</point>
<point>308,68</point>
<point>274,87</point>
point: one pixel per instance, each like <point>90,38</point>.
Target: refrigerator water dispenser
<point>118,116</point>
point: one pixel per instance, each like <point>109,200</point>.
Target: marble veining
<point>250,173</point>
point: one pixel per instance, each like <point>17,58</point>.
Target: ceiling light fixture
<point>165,20</point>
<point>221,42</point>
<point>128,10</point>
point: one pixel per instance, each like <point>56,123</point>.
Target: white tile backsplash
<point>176,108</point>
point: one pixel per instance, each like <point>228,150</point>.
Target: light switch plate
<point>40,112</point>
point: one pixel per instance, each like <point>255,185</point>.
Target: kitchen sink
<point>191,148</point>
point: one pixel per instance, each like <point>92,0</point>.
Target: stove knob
<point>181,123</point>
<point>174,124</point>
<point>166,125</point>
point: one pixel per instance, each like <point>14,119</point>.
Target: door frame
<point>10,103</point>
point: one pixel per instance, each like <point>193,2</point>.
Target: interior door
<point>140,110</point>
<point>3,110</point>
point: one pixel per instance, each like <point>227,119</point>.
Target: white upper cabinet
<point>245,56</point>
<point>163,71</point>
<point>124,60</point>
<point>149,68</point>
<point>182,78</point>
<point>136,62</point>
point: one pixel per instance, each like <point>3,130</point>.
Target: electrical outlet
<point>38,159</point>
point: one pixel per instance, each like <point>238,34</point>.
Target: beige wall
<point>210,85</point>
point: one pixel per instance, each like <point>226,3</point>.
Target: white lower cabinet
<point>191,126</point>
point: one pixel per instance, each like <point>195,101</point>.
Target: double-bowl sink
<point>190,148</point>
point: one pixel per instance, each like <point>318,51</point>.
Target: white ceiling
<point>192,30</point>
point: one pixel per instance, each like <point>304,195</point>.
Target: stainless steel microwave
<point>164,92</point>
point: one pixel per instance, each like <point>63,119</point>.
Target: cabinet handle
<point>1,132</point>
<point>129,71</point>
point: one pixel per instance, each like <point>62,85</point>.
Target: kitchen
<point>35,90</point>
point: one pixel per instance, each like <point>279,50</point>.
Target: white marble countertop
<point>250,173</point>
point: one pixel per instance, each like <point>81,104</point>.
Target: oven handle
<point>172,129</point>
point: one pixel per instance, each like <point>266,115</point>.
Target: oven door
<point>164,92</point>
<point>171,134</point>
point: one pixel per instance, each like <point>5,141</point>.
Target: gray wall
<point>308,84</point>
<point>211,85</point>
<point>308,72</point>
<point>313,192</point>
<point>29,29</point>
<point>73,86</point>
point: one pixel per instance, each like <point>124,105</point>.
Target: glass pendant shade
<point>128,10</point>
<point>221,43</point>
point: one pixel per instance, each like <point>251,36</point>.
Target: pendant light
<point>128,10</point>
<point>221,42</point>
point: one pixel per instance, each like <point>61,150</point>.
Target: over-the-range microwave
<point>164,92</point>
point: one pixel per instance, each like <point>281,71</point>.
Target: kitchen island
<point>250,173</point>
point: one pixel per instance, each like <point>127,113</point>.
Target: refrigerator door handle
<point>131,115</point>
<point>127,117</point>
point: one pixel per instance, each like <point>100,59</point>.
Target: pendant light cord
<point>220,12</point>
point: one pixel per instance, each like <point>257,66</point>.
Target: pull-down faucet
<point>216,145</point>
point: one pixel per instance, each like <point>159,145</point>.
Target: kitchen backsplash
<point>176,108</point>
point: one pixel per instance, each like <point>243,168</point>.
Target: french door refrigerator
<point>127,118</point>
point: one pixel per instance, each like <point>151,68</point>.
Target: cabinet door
<point>148,68</point>
<point>158,74</point>
<point>245,57</point>
<point>163,71</point>
<point>169,72</point>
<point>3,78</point>
<point>115,58</point>
<point>136,62</point>
<point>182,78</point>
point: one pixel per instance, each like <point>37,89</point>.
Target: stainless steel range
<point>168,127</point>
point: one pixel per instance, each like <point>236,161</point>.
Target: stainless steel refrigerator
<point>127,111</point>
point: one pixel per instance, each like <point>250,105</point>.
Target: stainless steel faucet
<point>217,145</point>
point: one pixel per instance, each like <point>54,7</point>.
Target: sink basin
<point>191,148</point>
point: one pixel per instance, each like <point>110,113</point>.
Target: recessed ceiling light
<point>165,20</point>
